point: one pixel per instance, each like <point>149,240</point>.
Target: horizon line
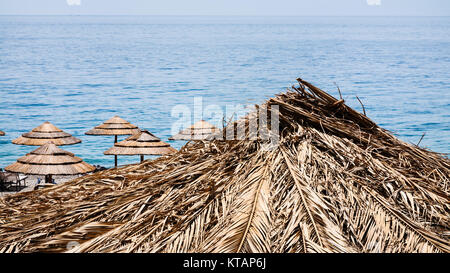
<point>221,15</point>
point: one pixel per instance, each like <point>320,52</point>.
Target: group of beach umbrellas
<point>48,159</point>
<point>51,160</point>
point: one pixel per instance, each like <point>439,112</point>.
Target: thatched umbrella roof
<point>198,131</point>
<point>114,126</point>
<point>50,160</point>
<point>44,133</point>
<point>143,143</point>
<point>336,182</point>
<point>2,133</point>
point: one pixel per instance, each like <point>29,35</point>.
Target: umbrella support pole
<point>115,157</point>
<point>142,158</point>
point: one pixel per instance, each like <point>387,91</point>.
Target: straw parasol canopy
<point>336,182</point>
<point>115,126</point>
<point>50,160</point>
<point>44,133</point>
<point>143,143</point>
<point>198,131</point>
<point>2,133</point>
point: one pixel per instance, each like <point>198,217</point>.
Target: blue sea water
<point>78,71</point>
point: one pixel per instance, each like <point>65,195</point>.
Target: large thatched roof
<point>44,133</point>
<point>114,126</point>
<point>197,131</point>
<point>49,159</point>
<point>337,182</point>
<point>143,143</point>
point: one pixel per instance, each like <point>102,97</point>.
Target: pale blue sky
<point>230,7</point>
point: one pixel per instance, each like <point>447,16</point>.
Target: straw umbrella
<point>198,131</point>
<point>44,133</point>
<point>143,143</point>
<point>50,160</point>
<point>115,126</point>
<point>2,133</point>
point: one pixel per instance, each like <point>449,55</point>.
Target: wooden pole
<point>142,158</point>
<point>115,157</point>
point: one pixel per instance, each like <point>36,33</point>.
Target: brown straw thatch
<point>50,160</point>
<point>44,133</point>
<point>114,126</point>
<point>198,131</point>
<point>143,143</point>
<point>2,133</point>
<point>336,182</point>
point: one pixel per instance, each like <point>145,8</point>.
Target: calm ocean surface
<point>78,71</point>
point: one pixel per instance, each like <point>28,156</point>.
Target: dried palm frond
<point>336,182</point>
